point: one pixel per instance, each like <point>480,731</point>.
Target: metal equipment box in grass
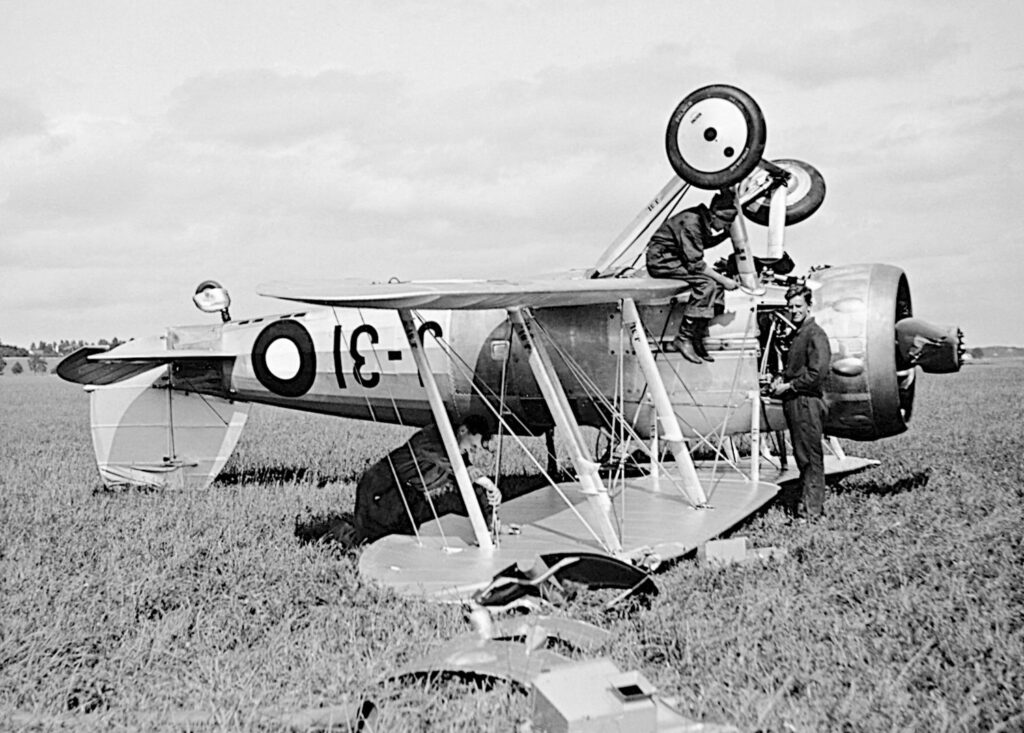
<point>593,697</point>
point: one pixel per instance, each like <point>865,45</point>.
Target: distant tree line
<point>996,352</point>
<point>36,364</point>
<point>37,353</point>
<point>8,350</point>
<point>65,347</point>
<point>53,348</point>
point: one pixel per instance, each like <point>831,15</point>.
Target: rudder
<point>146,434</point>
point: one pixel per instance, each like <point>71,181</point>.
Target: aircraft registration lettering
<point>372,379</point>
<point>364,375</point>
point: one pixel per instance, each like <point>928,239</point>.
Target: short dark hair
<point>724,200</point>
<point>799,291</point>
<point>477,425</point>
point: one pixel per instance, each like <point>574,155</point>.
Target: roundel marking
<point>283,358</point>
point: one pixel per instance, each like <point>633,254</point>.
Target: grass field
<point>903,610</point>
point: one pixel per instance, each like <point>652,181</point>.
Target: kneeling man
<point>415,483</point>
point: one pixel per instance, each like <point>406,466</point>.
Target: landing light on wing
<point>212,297</point>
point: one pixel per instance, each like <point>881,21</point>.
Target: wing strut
<point>444,426</point>
<point>558,404</point>
<point>671,433</point>
<point>667,196</point>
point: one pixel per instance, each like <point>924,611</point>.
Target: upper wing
<point>472,294</point>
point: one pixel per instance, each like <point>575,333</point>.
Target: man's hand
<point>493,492</point>
<point>780,388</point>
<point>725,281</point>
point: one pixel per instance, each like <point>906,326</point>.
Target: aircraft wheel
<point>805,192</point>
<point>715,136</point>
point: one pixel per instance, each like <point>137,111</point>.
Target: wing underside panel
<point>79,368</point>
<point>98,367</point>
<point>474,294</point>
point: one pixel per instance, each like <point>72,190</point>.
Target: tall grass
<point>903,610</point>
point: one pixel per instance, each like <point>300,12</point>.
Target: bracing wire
<point>594,392</point>
<point>501,401</point>
<point>716,449</point>
<point>730,408</point>
<point>471,378</point>
<point>188,383</point>
<point>667,211</point>
<point>391,464</point>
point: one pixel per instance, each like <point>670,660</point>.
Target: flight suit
<point>396,493</point>
<point>676,250</point>
<point>804,407</point>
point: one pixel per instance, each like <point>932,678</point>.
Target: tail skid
<point>147,434</point>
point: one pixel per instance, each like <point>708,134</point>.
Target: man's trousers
<point>805,417</point>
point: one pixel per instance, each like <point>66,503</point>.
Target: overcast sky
<point>146,146</point>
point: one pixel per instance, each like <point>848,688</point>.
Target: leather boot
<point>701,333</point>
<point>684,343</point>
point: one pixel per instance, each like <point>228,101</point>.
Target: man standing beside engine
<point>800,388</point>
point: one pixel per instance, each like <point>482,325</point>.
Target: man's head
<point>798,303</point>
<point>474,432</point>
<point>723,209</point>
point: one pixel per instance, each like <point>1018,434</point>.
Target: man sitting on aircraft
<point>800,388</point>
<point>415,483</point>
<point>676,250</point>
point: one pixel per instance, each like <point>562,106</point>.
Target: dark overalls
<point>676,250</point>
<point>407,481</point>
<point>804,407</point>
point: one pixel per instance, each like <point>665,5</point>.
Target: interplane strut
<point>671,433</point>
<point>558,404</point>
<point>444,426</point>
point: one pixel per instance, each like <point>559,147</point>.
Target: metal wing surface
<point>99,366</point>
<point>473,294</point>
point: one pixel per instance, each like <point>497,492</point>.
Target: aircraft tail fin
<point>147,434</point>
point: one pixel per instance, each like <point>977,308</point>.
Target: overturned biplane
<point>584,349</point>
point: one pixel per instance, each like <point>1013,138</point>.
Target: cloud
<point>19,117</point>
<point>891,46</point>
<point>434,169</point>
<point>938,150</point>
<point>81,170</point>
<point>262,108</point>
<point>271,174</point>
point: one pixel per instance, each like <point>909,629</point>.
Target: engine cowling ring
<point>858,307</point>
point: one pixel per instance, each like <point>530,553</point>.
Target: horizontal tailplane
<point>149,435</point>
<point>79,368</point>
